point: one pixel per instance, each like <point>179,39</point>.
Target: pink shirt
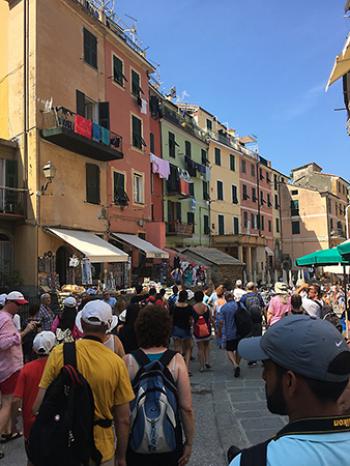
<point>278,309</point>
<point>11,355</point>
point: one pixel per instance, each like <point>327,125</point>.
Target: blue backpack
<point>155,414</point>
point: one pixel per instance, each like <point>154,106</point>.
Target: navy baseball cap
<point>305,345</point>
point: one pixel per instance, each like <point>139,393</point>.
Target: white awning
<point>341,65</point>
<point>269,251</point>
<point>151,251</point>
<point>92,246</point>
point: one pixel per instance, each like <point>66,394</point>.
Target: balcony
<point>12,203</point>
<point>185,122</point>
<point>60,127</point>
<point>226,139</point>
<point>180,229</point>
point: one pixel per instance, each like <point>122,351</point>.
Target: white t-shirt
<point>312,307</point>
<point>238,293</point>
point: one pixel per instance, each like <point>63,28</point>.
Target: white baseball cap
<point>96,312</point>
<point>17,297</point>
<point>44,342</point>
<point>3,299</point>
<point>238,282</point>
<point>70,302</point>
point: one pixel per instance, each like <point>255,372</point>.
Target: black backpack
<point>244,322</point>
<point>62,433</point>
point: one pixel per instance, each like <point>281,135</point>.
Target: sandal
<point>9,437</point>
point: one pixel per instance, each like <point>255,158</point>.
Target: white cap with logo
<point>97,312</point>
<point>44,342</point>
<point>70,302</point>
<point>17,297</point>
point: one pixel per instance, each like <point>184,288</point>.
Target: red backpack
<point>201,329</point>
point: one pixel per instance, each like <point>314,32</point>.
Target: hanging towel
<point>105,136</point>
<point>160,166</point>
<point>184,187</point>
<point>96,132</point>
<point>83,126</point>
<point>207,173</point>
<point>144,106</point>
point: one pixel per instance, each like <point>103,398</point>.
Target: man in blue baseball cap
<point>306,369</point>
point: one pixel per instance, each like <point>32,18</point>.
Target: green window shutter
<point>103,114</point>
<point>90,48</point>
<point>206,224</point>
<point>190,218</point>
<point>11,174</point>
<point>92,183</point>
<point>135,83</point>
<point>232,163</point>
<point>178,211</point>
<point>118,70</point>
<point>136,132</point>
<point>80,100</point>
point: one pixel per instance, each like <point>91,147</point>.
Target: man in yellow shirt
<point>107,376</point>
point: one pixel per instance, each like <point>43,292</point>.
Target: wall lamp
<point>49,171</point>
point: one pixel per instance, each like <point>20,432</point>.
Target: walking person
<point>279,305</point>
<point>219,301</point>
<point>238,292</point>
<point>202,330</point>
<point>296,305</point>
<point>108,379</point>
<point>311,300</point>
<point>166,446</point>
<point>63,325</point>
<point>306,370</point>
<point>126,332</point>
<point>27,385</point>
<point>45,314</point>
<point>181,333</point>
<point>228,312</point>
<point>11,354</point>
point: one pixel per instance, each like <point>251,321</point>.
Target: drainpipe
<point>26,88</point>
<point>347,220</point>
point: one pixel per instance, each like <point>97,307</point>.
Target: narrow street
<point>228,411</point>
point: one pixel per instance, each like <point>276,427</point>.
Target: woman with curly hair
<point>153,327</point>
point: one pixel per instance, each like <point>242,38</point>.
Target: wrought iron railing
<point>178,228</point>
<point>12,200</point>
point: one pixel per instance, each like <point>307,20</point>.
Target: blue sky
<point>260,66</point>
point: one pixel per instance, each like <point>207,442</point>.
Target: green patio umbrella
<point>344,248</point>
<point>323,257</point>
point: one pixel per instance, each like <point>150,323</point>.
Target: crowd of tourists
<point>97,385</point>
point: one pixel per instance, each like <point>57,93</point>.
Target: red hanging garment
<point>184,187</point>
<point>83,126</point>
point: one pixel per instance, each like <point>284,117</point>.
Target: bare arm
<point>121,414</point>
<point>185,401</point>
<point>38,400</point>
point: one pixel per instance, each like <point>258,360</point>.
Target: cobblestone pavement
<point>228,411</point>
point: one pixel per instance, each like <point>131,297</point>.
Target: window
<point>330,206</point>
<point>206,224</point>
<point>92,183</point>
<point>331,224</point>
<point>252,221</point>
<point>254,198</point>
<point>137,140</point>
<point>191,189</point>
<point>294,192</point>
<point>138,188</point>
<point>190,218</point>
<point>118,74</point>
<point>270,226</point>
<point>338,186</point>
<point>243,166</point>
<point>209,124</point>
<point>232,163</point>
<point>277,206</point>
<point>188,149</point>
<point>294,207</point>
<point>172,144</point>
<point>235,225</point>
<point>336,209</point>
<point>252,169</point>
<point>261,174</point>
<point>258,223</point>
<point>262,223</point>
<point>204,156</point>
<point>262,200</point>
<point>275,182</point>
<point>295,228</point>
<point>234,194</point>
<point>245,192</point>
<point>90,48</point>
<point>269,204</point>
<point>205,190</point>
<point>245,219</point>
<point>221,223</point>
<point>151,142</point>
<point>277,225</point>
<point>217,156</point>
<point>220,190</point>
<point>120,196</point>
<point>135,83</point>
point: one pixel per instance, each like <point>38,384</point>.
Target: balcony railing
<point>226,139</point>
<point>181,229</point>
<point>12,201</point>
<point>294,212</point>
<point>185,122</point>
<point>60,127</point>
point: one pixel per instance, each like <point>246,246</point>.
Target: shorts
<point>181,333</point>
<point>160,459</point>
<point>7,387</point>
<point>231,345</point>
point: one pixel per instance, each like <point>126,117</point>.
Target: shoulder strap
<point>69,354</point>
<point>256,455</point>
<point>167,356</point>
<point>141,357</point>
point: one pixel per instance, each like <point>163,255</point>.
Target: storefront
<point>83,258</point>
<point>148,261</point>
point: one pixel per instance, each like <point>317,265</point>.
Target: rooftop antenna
<point>106,6</point>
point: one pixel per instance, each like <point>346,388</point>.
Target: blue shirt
<point>247,295</point>
<point>111,301</point>
<point>228,312</point>
<point>307,450</point>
